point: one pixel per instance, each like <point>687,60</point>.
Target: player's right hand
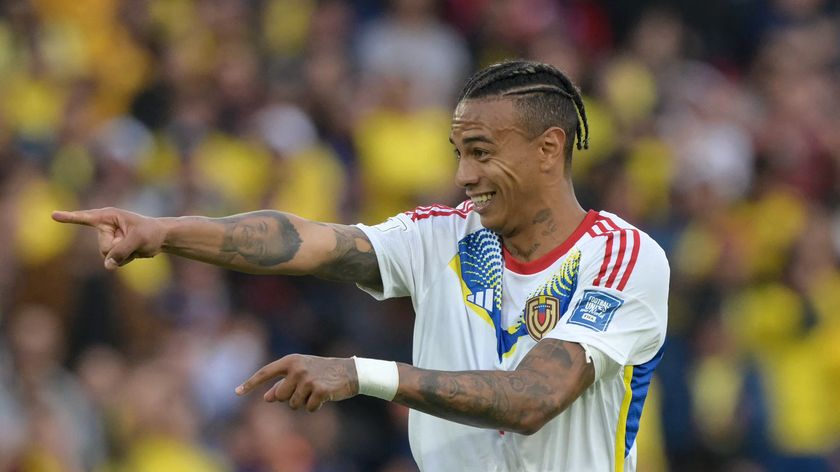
<point>123,235</point>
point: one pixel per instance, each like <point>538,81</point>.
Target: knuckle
<point>298,360</point>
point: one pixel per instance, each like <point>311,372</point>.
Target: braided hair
<point>544,97</point>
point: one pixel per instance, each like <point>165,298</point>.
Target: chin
<point>490,223</point>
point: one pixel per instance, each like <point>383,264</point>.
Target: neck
<point>547,226</point>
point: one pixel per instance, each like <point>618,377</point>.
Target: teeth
<point>483,198</point>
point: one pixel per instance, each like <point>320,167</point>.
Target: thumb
<point>122,253</point>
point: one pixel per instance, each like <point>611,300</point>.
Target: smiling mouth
<point>482,200</point>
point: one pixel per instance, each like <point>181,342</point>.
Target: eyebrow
<point>474,139</point>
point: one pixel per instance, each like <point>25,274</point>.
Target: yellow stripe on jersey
<point>511,352</point>
<point>621,427</point>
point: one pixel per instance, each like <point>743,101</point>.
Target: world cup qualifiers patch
<point>595,310</point>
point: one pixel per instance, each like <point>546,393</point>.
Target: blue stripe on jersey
<point>480,255</point>
<point>639,384</point>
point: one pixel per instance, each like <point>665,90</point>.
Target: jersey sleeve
<point>395,243</point>
<point>411,247</point>
<point>620,303</point>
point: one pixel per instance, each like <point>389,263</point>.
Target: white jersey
<point>477,308</point>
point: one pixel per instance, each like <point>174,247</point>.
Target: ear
<point>552,142</point>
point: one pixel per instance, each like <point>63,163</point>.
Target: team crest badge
<point>541,315</point>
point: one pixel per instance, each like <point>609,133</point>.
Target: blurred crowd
<point>715,128</point>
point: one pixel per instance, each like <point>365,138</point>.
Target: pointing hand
<point>123,235</point>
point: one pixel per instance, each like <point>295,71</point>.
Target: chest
<point>506,312</point>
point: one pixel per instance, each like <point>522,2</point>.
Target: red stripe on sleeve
<point>431,213</point>
<point>600,225</point>
<point>632,263</point>
<point>611,223</point>
<point>607,257</point>
<point>423,212</point>
<point>622,248</point>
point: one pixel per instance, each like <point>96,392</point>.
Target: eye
<point>457,154</point>
<point>480,154</point>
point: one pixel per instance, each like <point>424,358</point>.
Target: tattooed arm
<point>553,375</point>
<point>278,243</point>
<point>547,381</point>
<point>261,242</point>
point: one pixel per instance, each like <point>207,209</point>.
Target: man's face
<point>497,162</point>
<point>250,235</point>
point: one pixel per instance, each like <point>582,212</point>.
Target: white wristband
<point>377,378</point>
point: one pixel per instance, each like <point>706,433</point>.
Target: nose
<point>467,174</point>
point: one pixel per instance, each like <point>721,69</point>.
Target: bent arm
<point>545,383</point>
<point>273,242</point>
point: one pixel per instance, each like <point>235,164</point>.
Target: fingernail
<point>240,390</point>
<point>110,264</point>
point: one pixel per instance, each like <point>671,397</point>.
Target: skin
<point>261,242</point>
<point>534,210</point>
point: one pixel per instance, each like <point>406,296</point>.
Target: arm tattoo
<point>264,238</point>
<point>269,238</point>
<point>352,259</point>
<point>544,384</point>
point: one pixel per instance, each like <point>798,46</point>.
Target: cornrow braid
<point>536,83</point>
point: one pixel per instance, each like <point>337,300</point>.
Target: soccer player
<point>538,324</point>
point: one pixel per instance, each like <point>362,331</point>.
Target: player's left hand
<point>306,381</point>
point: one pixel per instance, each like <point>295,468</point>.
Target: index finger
<point>269,371</point>
<point>81,217</point>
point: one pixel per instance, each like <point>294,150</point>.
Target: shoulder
<point>436,210</point>
<point>444,221</point>
<point>621,252</point>
<point>433,223</point>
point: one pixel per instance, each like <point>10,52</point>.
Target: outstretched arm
<point>545,383</point>
<point>261,242</point>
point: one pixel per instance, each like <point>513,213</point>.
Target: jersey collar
<point>538,265</point>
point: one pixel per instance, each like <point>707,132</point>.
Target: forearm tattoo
<point>544,384</point>
<point>352,259</point>
<point>264,238</point>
